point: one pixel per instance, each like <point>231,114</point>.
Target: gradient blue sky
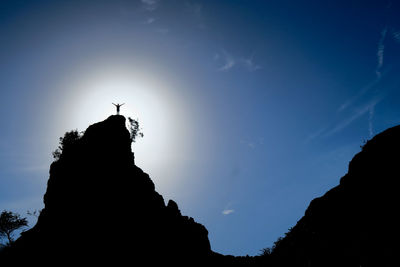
<point>250,109</point>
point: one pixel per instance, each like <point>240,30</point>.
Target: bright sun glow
<point>151,100</point>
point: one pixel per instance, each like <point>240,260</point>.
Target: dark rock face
<point>100,207</point>
<point>356,223</point>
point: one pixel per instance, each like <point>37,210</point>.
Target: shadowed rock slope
<point>101,208</point>
<point>357,222</point>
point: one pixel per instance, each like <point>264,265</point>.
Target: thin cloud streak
<point>378,71</point>
<point>315,135</point>
<point>362,92</point>
<point>343,124</point>
<point>329,131</point>
<point>380,53</point>
<point>370,121</point>
<point>370,107</point>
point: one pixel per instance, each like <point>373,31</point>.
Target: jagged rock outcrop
<point>101,208</point>
<point>356,223</point>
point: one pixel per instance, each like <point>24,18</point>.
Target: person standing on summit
<point>118,106</point>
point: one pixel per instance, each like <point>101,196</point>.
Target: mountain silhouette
<point>101,208</point>
<point>355,223</point>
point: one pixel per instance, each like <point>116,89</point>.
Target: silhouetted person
<point>118,106</point>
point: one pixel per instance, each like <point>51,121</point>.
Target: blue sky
<point>250,109</point>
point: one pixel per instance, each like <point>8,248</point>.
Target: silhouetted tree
<point>134,129</point>
<point>67,140</point>
<point>9,222</point>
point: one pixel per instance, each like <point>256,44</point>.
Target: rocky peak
<point>100,207</point>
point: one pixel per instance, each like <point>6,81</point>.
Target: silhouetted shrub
<point>35,213</point>
<point>265,252</point>
<point>66,141</point>
<point>9,222</point>
<point>365,141</point>
<point>268,251</point>
<point>134,129</point>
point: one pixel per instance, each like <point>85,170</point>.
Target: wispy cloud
<point>249,64</point>
<point>228,211</point>
<point>150,5</point>
<point>380,52</point>
<point>229,61</point>
<point>149,20</point>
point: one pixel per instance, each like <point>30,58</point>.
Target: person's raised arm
<point>114,104</point>
<point>122,104</point>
